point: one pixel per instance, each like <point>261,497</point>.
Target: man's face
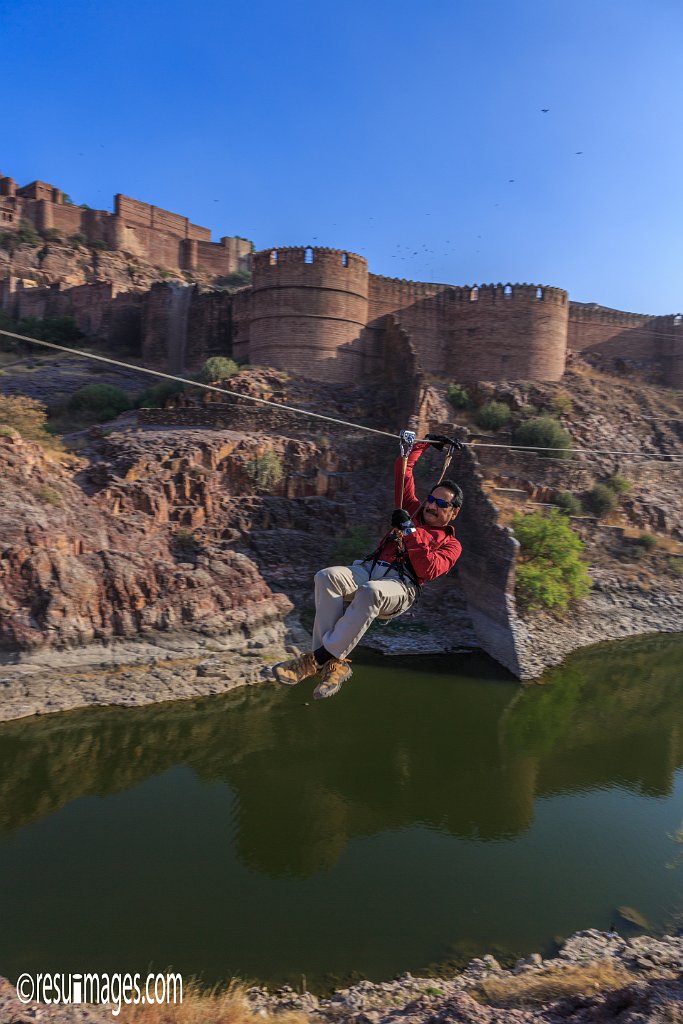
<point>439,517</point>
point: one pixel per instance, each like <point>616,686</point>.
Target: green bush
<point>99,244</point>
<point>492,416</point>
<point>568,503</point>
<point>561,403</point>
<point>458,396</point>
<point>618,484</point>
<point>237,279</point>
<point>52,234</point>
<point>156,397</point>
<point>648,541</point>
<point>77,241</point>
<point>218,368</point>
<point>550,573</point>
<point>601,500</point>
<point>544,432</point>
<point>675,565</point>
<point>60,329</point>
<point>99,401</point>
<point>26,234</point>
<point>266,470</point>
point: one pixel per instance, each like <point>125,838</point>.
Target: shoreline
<point>595,976</point>
<point>175,666</point>
<point>196,663</point>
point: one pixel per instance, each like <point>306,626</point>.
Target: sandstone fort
<point>317,312</point>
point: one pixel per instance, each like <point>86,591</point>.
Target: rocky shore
<point>595,977</point>
<point>162,543</point>
<point>614,610</point>
<point>176,666</point>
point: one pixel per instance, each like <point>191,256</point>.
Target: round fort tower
<point>309,307</point>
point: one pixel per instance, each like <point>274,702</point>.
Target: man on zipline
<point>388,581</point>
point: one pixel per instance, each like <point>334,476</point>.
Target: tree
<point>550,572</point>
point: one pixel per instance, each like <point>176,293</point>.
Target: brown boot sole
<point>290,682</point>
<point>326,689</point>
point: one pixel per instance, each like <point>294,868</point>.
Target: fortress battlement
<point>269,263</point>
<point>158,236</point>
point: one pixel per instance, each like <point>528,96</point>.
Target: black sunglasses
<point>439,502</point>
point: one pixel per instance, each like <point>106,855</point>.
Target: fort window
<point>273,257</point>
<point>539,294</point>
<point>474,294</point>
<point>507,291</point>
<point>308,255</point>
<point>345,259</point>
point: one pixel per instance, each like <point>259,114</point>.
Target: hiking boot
<point>335,672</point>
<point>295,671</point>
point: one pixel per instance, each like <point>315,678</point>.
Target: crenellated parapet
<point>158,236</point>
<point>309,309</point>
<point>319,312</point>
<point>589,313</point>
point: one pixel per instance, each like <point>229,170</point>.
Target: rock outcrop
<point>74,569</point>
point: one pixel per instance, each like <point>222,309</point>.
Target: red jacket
<point>432,552</point>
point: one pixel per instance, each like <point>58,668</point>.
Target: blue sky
<point>387,128</point>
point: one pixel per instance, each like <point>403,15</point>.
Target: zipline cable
<point>316,415</point>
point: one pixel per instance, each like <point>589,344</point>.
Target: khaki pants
<point>339,630</point>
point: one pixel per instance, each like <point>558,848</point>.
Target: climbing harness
<point>402,564</point>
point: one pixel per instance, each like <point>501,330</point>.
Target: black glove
<point>440,441</point>
<point>399,518</point>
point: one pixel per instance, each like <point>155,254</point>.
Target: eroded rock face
<point>72,570</point>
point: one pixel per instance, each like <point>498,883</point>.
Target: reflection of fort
<point>468,759</point>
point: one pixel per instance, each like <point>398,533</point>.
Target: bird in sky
<point>579,153</point>
<point>511,181</point>
<point>544,110</point>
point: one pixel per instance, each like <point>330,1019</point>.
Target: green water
<point>433,810</point>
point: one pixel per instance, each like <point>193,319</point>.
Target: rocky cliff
<point>80,565</point>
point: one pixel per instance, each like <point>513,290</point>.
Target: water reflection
<point>465,755</point>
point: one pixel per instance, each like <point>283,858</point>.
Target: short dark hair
<point>451,485</point>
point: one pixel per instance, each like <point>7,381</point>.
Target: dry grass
<point>538,988</point>
<point>29,417</point>
<point>227,1006</point>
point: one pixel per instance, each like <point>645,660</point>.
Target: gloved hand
<point>440,441</point>
<point>400,520</point>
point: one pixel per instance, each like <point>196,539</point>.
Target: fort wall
<point>309,308</point>
<point>622,341</point>
<point>101,309</point>
<point>155,235</point>
<point>479,332</point>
